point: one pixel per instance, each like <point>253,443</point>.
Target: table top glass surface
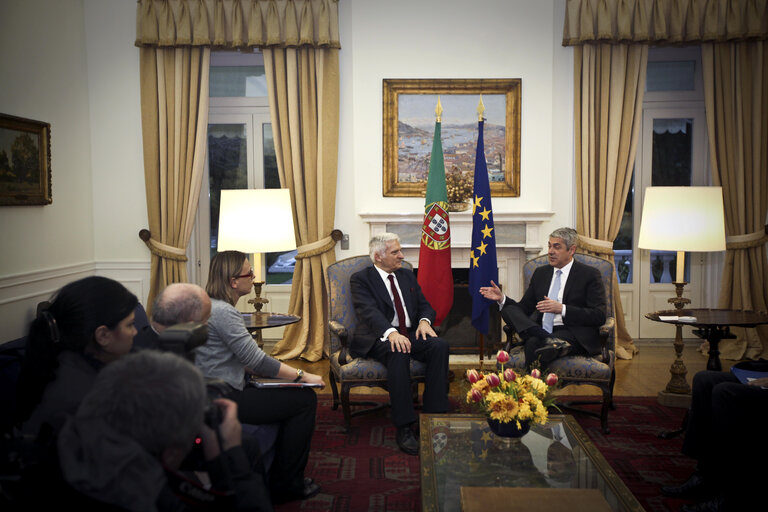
<point>460,450</point>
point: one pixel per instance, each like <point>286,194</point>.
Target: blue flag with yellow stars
<point>482,253</point>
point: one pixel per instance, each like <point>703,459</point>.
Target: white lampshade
<point>256,221</point>
<point>683,219</point>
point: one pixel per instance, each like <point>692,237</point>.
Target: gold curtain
<point>174,115</point>
<point>609,80</point>
<point>303,86</point>
<point>306,28</point>
<point>736,96</point>
<point>664,22</point>
<point>237,24</point>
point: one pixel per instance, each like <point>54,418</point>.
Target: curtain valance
<point>664,22</point>
<point>233,24</point>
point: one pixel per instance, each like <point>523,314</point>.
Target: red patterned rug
<point>365,470</point>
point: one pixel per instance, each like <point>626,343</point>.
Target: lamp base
<point>678,400</point>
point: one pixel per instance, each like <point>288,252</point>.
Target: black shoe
<point>693,488</point>
<point>310,488</point>
<point>554,348</point>
<point>715,505</point>
<point>407,441</point>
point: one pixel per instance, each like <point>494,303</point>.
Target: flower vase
<point>509,429</point>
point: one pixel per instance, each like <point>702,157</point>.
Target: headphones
<point>53,328</point>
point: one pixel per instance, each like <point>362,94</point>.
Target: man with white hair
<point>395,325</point>
<point>177,303</point>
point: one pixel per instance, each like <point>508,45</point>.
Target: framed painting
<point>25,161</point>
<point>409,124</point>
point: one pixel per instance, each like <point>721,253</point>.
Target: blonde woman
<point>231,352</point>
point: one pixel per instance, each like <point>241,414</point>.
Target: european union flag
<point>482,253</point>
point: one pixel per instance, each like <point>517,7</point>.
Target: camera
<point>183,339</point>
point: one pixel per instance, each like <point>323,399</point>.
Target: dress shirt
<point>385,279</point>
<point>558,320</point>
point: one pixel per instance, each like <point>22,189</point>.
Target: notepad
<point>675,318</point>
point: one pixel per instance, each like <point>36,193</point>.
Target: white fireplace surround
<point>518,239</point>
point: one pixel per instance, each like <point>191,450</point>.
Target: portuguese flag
<point>434,275</point>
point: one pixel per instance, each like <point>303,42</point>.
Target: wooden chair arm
<point>605,333</point>
<point>341,332</point>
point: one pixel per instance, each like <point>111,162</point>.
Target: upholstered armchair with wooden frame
<point>347,372</point>
<point>597,371</point>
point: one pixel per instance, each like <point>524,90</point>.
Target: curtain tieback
<point>315,248</point>
<point>596,245</point>
<point>162,250</point>
<point>747,241</point>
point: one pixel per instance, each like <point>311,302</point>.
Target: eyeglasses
<point>249,274</point>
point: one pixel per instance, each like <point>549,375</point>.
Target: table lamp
<point>256,221</point>
<point>682,219</point>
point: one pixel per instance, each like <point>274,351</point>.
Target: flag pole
<point>480,112</point>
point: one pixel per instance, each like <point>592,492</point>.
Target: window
<point>241,154</point>
<point>672,151</point>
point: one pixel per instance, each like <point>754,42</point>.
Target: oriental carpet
<point>365,470</point>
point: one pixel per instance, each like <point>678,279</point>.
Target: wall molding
<point>20,293</point>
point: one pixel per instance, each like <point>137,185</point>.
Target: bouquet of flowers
<point>507,396</point>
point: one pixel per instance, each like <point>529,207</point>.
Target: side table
<point>712,325</point>
<point>257,321</point>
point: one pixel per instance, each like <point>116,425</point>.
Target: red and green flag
<point>435,276</point>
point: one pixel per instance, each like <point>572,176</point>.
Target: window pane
<point>622,246</point>
<point>227,166</point>
<point>237,81</point>
<point>280,265</point>
<point>671,76</point>
<point>671,167</point>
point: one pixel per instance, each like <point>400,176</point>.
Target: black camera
<point>183,339</point>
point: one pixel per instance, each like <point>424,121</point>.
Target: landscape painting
<point>409,124</point>
<point>25,161</point>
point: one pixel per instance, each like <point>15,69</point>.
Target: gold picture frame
<point>25,161</point>
<point>409,120</point>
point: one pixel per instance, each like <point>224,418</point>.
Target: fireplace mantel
<point>518,239</point>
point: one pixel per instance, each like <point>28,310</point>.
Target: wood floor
<point>645,375</point>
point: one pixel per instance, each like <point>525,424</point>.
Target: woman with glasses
<point>231,352</point>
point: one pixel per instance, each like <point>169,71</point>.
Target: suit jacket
<point>375,310</point>
<point>583,296</point>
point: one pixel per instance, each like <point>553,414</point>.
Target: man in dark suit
<point>177,303</point>
<point>395,325</point>
<point>563,308</point>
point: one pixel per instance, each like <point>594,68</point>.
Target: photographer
<point>132,430</point>
<point>177,303</point>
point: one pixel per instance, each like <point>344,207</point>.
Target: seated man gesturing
<point>563,308</point>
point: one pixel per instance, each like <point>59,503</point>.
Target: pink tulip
<point>493,380</point>
<point>535,373</point>
<point>473,376</point>
<point>551,379</point>
<point>502,356</point>
<point>477,396</point>
<point>509,375</point>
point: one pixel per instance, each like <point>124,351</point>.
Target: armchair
<point>347,372</point>
<point>596,371</point>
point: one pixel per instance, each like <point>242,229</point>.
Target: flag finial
<point>438,110</point>
<point>480,109</point>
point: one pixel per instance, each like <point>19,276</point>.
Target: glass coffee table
<point>459,450</point>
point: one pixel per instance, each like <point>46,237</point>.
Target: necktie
<point>398,307</point>
<point>548,321</point>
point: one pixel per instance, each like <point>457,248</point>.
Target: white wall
<point>454,39</point>
<point>43,76</point>
<point>73,63</point>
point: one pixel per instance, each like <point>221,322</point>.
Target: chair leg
<point>607,400</point>
<point>345,407</point>
<point>334,390</point>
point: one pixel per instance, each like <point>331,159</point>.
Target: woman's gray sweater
<point>231,348</point>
